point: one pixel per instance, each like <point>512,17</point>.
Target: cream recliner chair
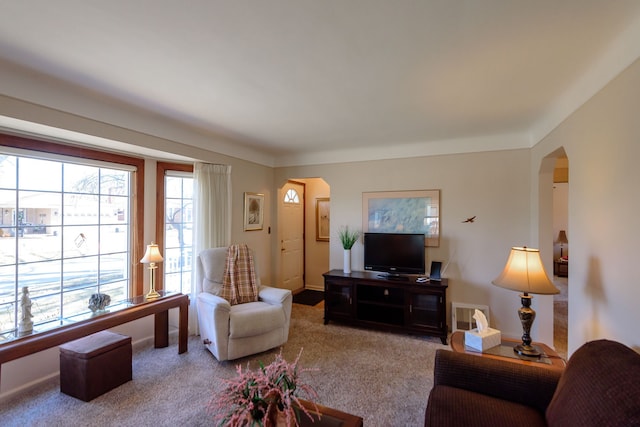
<point>234,331</point>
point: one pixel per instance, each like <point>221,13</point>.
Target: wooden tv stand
<point>367,299</point>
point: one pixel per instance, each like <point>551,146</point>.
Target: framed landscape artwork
<point>253,211</point>
<point>322,219</point>
<point>415,211</point>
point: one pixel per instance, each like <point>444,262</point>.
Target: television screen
<point>394,253</point>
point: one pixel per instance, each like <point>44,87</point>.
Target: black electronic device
<point>394,254</point>
<point>436,269</point>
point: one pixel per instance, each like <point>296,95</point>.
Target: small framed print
<point>322,219</point>
<point>253,211</point>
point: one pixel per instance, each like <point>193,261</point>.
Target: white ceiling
<point>296,78</point>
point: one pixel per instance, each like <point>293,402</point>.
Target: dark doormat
<point>308,297</point>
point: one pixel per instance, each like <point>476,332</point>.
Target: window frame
<point>136,285</point>
<point>161,171</point>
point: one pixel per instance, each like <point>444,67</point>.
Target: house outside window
<point>65,227</point>
<point>178,231</point>
<point>174,225</point>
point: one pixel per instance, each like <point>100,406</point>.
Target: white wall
<point>602,142</point>
<point>494,186</point>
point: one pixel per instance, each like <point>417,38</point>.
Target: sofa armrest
<point>213,319</point>
<point>282,297</point>
<point>528,385</point>
<point>214,302</point>
<point>273,295</point>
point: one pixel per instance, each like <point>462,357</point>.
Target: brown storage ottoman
<point>95,364</point>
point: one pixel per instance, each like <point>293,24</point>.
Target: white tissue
<point>481,321</point>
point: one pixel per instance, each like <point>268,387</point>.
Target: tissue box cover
<point>481,341</point>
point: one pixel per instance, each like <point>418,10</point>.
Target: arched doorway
<point>561,253</point>
<point>553,217</point>
<point>316,246</point>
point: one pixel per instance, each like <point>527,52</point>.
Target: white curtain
<point>211,220</point>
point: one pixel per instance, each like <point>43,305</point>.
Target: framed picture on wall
<point>253,211</point>
<point>322,219</point>
<point>403,212</point>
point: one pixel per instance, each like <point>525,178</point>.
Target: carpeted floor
<point>384,378</point>
<point>308,297</point>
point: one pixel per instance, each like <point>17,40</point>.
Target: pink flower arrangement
<point>256,398</point>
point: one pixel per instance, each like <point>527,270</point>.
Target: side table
<point>504,351</point>
<point>561,268</point>
<point>329,417</point>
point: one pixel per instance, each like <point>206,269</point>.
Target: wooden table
<point>552,359</point>
<point>328,417</point>
<point>135,308</point>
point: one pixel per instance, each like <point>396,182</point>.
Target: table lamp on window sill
<point>151,257</point>
<point>524,272</point>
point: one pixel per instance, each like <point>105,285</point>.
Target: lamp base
<point>526,350</point>
<point>152,294</point>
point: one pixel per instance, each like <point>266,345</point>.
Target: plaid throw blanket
<point>239,283</point>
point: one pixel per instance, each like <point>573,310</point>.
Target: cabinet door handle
<point>410,308</point>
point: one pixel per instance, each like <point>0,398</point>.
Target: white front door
<point>291,234</point>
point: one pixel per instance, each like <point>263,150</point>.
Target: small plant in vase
<point>348,238</point>
<point>266,397</point>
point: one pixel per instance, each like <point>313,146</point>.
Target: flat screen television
<point>394,254</point>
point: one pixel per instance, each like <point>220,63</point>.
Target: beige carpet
<point>384,378</point>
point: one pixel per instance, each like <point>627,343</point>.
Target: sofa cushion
<point>254,318</point>
<point>458,407</point>
<point>599,387</point>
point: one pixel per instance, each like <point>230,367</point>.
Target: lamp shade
<point>152,254</point>
<point>562,237</point>
<point>524,272</point>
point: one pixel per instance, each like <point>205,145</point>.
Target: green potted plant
<point>348,238</point>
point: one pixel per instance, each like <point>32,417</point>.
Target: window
<point>175,183</point>
<point>291,196</point>
<point>65,231</point>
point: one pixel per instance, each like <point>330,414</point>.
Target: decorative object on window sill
<point>348,238</point>
<point>25,327</point>
<point>262,397</point>
<point>524,272</point>
<point>151,257</point>
<point>98,302</point>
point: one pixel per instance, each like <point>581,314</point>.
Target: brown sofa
<point>600,386</point>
